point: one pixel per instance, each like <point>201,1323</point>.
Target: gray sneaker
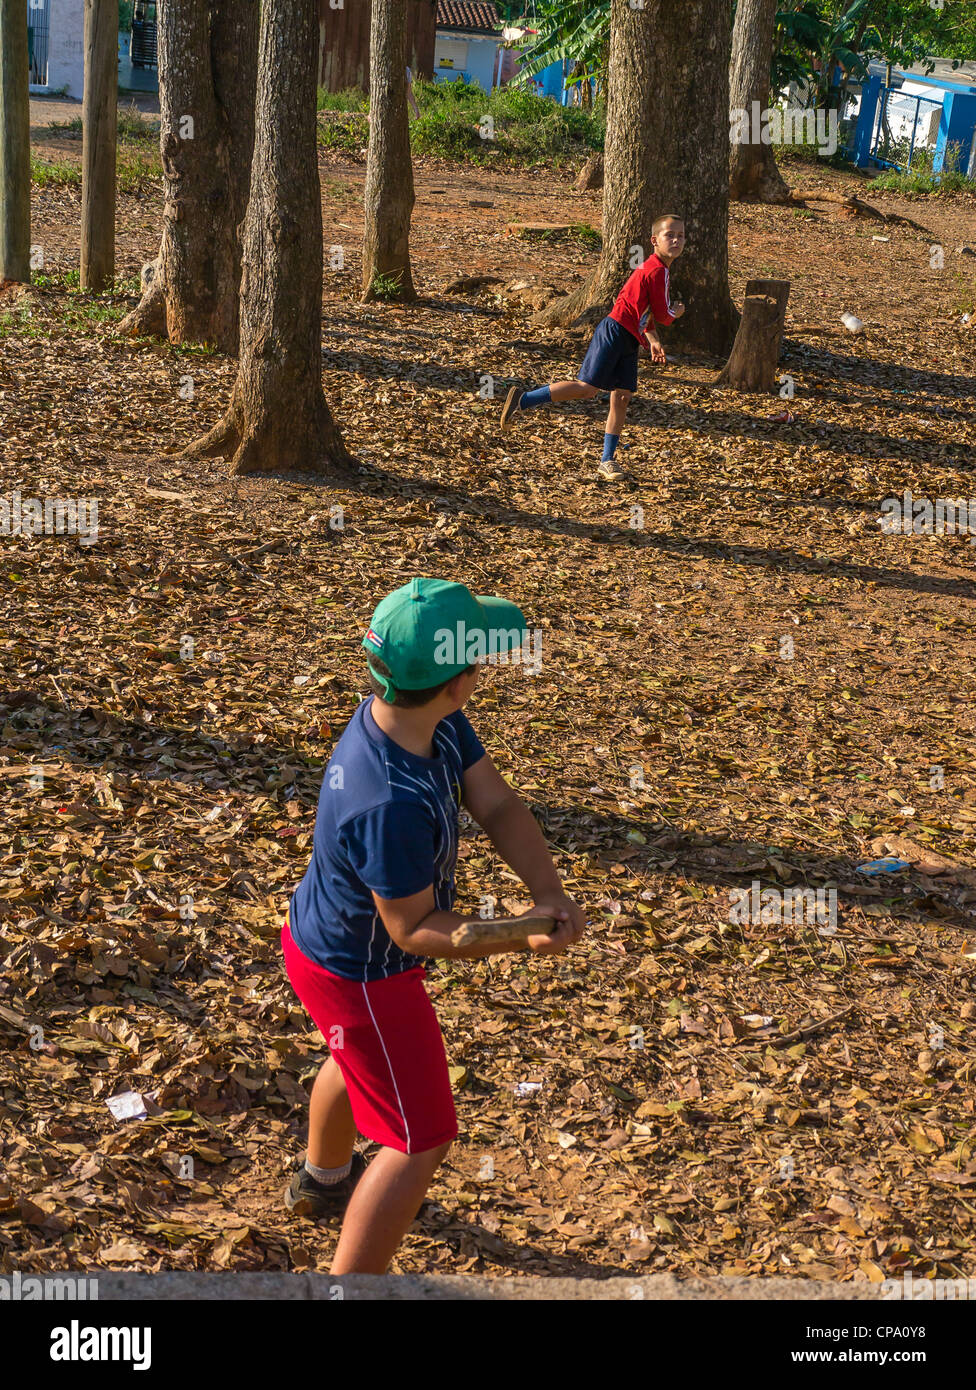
<point>306,1197</point>
<point>609,471</point>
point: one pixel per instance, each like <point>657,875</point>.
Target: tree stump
<point>755,352</point>
<point>591,174</point>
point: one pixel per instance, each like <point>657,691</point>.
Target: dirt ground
<point>743,682</point>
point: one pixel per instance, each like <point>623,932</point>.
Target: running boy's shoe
<point>510,407</point>
<point>609,471</point>
<point>306,1197</point>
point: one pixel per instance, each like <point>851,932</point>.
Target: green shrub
<point>351,100</point>
<point>528,129</point>
<point>132,126</point>
<point>525,129</point>
<point>348,136</point>
<point>386,286</point>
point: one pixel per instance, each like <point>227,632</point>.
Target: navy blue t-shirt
<point>387,821</point>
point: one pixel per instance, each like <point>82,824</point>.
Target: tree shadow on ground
<point>717,860</point>
<point>703,420</point>
<point>865,371</point>
<point>765,497</point>
<point>722,861</point>
<point>885,405</point>
<point>843,440</point>
<point>519,1259</point>
<point>489,509</point>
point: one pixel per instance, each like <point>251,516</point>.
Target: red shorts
<point>385,1039</point>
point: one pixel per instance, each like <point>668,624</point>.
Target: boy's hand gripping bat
<point>491,931</point>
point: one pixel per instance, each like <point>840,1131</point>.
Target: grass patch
<point>185,349</point>
<point>921,183</point>
<point>509,126</point>
<point>20,321</point>
<point>460,122</point>
<point>47,174</point>
<point>921,180</point>
<point>84,312</point>
<point>347,136</point>
<point>587,235</point>
<point>135,170</point>
<point>130,125</point>
<point>351,100</point>
<point>69,282</point>
<point>70,307</point>
<point>579,231</point>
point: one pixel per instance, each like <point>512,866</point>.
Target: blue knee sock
<point>530,399</point>
<point>610,442</point>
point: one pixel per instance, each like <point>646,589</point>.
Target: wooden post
<point>14,143</point>
<point>755,352</point>
<point>99,123</point>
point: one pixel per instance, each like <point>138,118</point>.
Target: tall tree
<point>207,68</point>
<point>99,135</point>
<point>278,419</point>
<point>753,172</point>
<point>14,143</point>
<point>666,151</point>
<point>389,194</point>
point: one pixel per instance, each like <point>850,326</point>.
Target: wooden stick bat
<point>492,931</point>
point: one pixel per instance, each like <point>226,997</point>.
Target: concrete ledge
<point>288,1287</point>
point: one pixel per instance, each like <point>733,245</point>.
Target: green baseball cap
<point>429,630</point>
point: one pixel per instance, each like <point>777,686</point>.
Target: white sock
<point>328,1176</point>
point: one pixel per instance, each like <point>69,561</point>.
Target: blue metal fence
<point>893,127</point>
<point>903,124</point>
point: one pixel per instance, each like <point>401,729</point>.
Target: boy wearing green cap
<point>377,900</point>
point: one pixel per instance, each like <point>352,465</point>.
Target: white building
<point>56,43</point>
<point>468,42</point>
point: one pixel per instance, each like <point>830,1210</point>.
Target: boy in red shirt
<point>610,363</point>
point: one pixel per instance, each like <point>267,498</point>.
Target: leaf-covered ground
<point>714,1095</point>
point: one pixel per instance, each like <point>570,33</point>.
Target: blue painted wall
<point>552,80</point>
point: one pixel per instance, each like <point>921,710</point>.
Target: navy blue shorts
<point>611,359</point>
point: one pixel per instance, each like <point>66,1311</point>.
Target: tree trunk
<point>99,135</point>
<point>15,185</point>
<point>661,159</point>
<point>388,200</point>
<point>207,67</point>
<point>755,353</point>
<point>753,172</point>
<point>278,420</point>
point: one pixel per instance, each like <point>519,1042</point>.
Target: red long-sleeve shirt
<point>649,288</point>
